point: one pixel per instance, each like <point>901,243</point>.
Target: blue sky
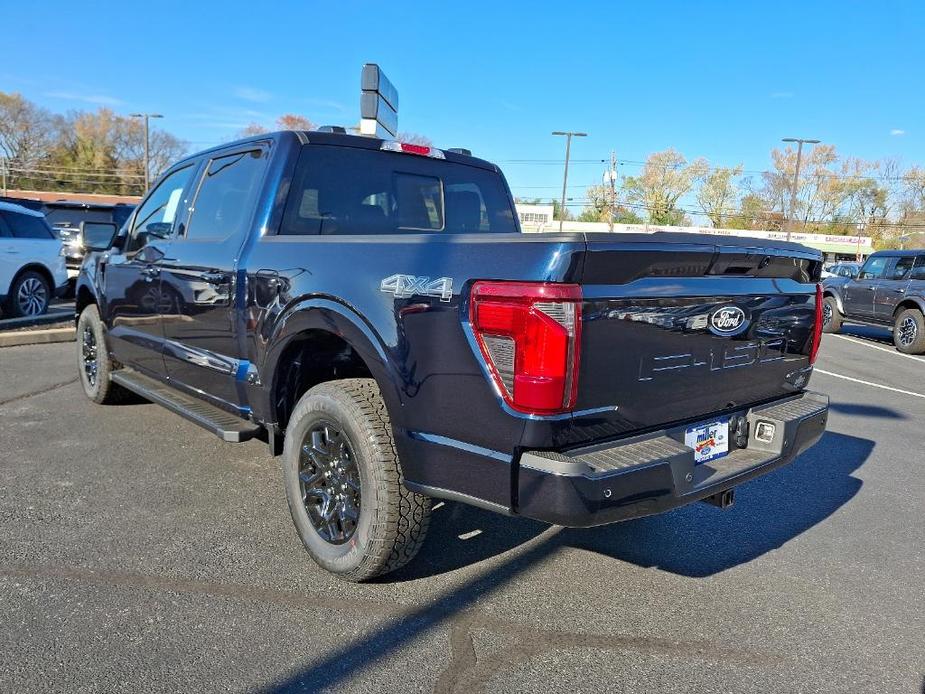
<point>722,80</point>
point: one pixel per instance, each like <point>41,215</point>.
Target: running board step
<point>223,424</point>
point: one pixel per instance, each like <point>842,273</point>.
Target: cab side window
<point>873,269</point>
<point>156,216</point>
<point>224,204</point>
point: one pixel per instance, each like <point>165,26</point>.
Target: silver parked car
<point>889,291</point>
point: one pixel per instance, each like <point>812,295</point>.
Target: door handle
<point>870,289</point>
<point>214,277</point>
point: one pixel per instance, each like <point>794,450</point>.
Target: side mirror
<point>97,236</point>
<point>158,230</point>
<point>154,230</point>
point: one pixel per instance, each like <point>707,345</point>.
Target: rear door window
<point>224,203</point>
<point>27,226</point>
<point>349,190</point>
<point>902,268</point>
<point>918,272</point>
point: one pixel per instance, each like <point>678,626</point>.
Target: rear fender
<point>336,318</point>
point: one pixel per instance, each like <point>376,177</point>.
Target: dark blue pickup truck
<point>372,310</point>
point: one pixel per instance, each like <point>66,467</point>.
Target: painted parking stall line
<point>869,383</point>
<point>888,350</point>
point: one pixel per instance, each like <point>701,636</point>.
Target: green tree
<point>665,178</point>
<point>718,193</point>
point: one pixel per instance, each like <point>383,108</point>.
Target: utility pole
<point>796,178</point>
<point>146,116</point>
<point>568,147</point>
<point>3,173</point>
<point>612,175</point>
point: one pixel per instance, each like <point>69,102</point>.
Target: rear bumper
<point>654,473</point>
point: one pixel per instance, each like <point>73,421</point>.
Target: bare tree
<point>27,132</point>
<point>250,130</point>
<point>293,121</point>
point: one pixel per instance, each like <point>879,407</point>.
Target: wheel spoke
<point>330,482</point>
<point>309,478</point>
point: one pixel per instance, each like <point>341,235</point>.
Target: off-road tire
<point>834,323</point>
<point>392,520</point>
<point>917,345</point>
<point>100,390</point>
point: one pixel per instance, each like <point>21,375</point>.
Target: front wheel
<point>93,360</point>
<point>344,483</point>
<point>909,332</point>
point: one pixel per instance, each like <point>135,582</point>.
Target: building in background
<point>539,218</point>
<point>535,215</point>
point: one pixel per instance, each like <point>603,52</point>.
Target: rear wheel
<point>29,295</point>
<point>93,360</point>
<point>344,484</point>
<point>831,318</point>
<point>909,331</point>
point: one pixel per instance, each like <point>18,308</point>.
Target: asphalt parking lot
<point>139,553</point>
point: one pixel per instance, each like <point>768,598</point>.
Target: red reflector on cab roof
<point>408,148</point>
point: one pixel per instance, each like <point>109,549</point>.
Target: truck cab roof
<point>342,140</point>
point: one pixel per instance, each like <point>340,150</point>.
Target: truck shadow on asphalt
<point>697,540</point>
<point>870,333</point>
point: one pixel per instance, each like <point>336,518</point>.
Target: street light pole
<point>146,116</point>
<point>796,178</point>
<point>568,148</point>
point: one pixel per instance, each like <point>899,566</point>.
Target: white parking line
<point>877,347</point>
<point>868,383</point>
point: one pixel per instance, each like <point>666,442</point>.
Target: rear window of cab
<point>349,190</point>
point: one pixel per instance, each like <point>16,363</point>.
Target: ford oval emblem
<point>727,320</point>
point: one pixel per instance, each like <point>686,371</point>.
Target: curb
<point>37,337</point>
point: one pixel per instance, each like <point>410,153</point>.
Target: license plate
<point>709,441</point>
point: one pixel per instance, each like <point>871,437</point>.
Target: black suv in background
<point>888,291</point>
<point>65,217</point>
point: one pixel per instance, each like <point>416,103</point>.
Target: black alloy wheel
<point>330,482</point>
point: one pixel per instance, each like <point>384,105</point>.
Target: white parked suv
<point>32,268</point>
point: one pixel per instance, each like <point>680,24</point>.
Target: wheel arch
<point>322,339</point>
<point>828,291</point>
<point>83,298</point>
<point>909,302</point>
<point>34,267</point>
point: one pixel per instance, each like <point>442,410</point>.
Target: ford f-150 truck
<point>373,312</point>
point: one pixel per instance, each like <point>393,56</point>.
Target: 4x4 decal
<point>405,286</point>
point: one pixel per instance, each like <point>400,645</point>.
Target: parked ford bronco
<point>888,291</point>
<point>372,310</point>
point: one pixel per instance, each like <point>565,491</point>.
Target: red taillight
<point>529,335</point>
<point>817,327</point>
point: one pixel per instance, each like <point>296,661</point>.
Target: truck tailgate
<point>673,331</point>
